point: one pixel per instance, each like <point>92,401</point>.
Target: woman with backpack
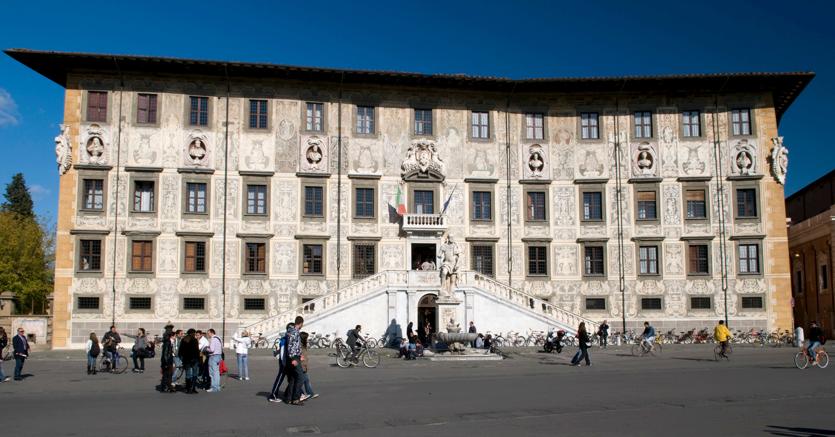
<point>93,351</point>
<point>138,351</point>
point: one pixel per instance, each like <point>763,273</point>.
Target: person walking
<point>93,351</point>
<point>308,390</point>
<point>166,360</point>
<point>295,374</point>
<point>583,351</point>
<point>189,355</point>
<point>215,355</point>
<point>137,352</point>
<point>203,346</point>
<point>21,352</point>
<point>4,342</point>
<point>282,357</point>
<point>603,333</point>
<point>242,345</point>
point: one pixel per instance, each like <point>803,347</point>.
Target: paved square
<point>683,392</point>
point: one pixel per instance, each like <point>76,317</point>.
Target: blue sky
<point>501,38</point>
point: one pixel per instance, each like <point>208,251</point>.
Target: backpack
<point>150,352</point>
<point>95,350</point>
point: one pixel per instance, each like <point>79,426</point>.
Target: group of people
<point>20,352</point>
<point>292,355</point>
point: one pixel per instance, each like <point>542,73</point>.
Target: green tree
<point>24,260</point>
<point>18,199</point>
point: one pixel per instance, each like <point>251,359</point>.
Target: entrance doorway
<point>427,312</point>
<point>423,256</point>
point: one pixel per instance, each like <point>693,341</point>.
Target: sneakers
<point>246,379</point>
<point>275,400</point>
<point>211,390</point>
<point>315,395</point>
<point>6,379</point>
<point>304,398</point>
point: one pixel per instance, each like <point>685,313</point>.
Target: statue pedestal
<point>447,310</point>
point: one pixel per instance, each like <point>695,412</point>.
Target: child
<point>308,390</point>
<point>93,351</point>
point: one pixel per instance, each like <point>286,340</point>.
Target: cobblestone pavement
<point>683,392</point>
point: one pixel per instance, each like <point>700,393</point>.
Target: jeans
<point>141,364</point>
<point>91,361</point>
<point>604,340</point>
<point>811,350</point>
<point>2,375</point>
<point>191,370</point>
<point>583,352</point>
<point>214,371</point>
<point>278,380</point>
<point>295,381</point>
<point>243,366</point>
<point>308,390</point>
<point>18,366</point>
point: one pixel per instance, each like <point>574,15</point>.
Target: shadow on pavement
<point>696,359</point>
<point>798,432</point>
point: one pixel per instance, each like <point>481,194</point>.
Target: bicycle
<point>802,358</point>
<point>259,341</point>
<point>643,348</point>
<point>717,351</point>
<point>106,363</point>
<point>345,357</point>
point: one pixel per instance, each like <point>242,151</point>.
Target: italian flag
<point>398,201</point>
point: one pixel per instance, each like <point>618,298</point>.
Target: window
<point>198,114</point>
<point>536,206</point>
<point>256,199</point>
<point>824,277</point>
<point>691,124</point>
<point>648,259</point>
<point>480,125</point>
<point>313,117</point>
<point>90,256</point>
<point>696,204</point>
<point>364,260</point>
<point>196,198</point>
<point>595,303</point>
<point>88,303</point>
<point>364,202</point>
<point>593,261</point>
<point>312,259</point>
<point>313,201</point>
<point>143,196</point>
<point>741,121</point>
<point>146,108</point>
<point>749,258</point>
<point>256,258</point>
<point>589,127</point>
<point>593,205</point>
<point>257,114</point>
<point>139,303</point>
<point>650,303</point>
<point>194,303</point>
<point>643,124</point>
<point>483,259</point>
<point>142,256</point>
<point>255,304</point>
<point>94,194</point>
<point>746,203</point>
<point>798,280</point>
<point>752,302</point>
<point>195,257</point>
<point>534,127</point>
<point>423,122</point>
<point>424,202</point>
<point>700,303</point>
<point>537,261</point>
<point>482,205</point>
<point>698,259</point>
<point>97,106</point>
<point>646,205</point>
<point>365,120</point>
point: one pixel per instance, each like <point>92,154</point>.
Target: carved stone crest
<point>197,150</point>
<point>779,160</point>
<point>95,145</point>
<point>645,160</point>
<point>744,159</point>
<point>314,155</point>
<point>423,161</point>
<point>63,150</point>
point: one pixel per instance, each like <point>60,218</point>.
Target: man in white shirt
<point>215,353</point>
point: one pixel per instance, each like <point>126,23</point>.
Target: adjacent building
<point>232,194</point>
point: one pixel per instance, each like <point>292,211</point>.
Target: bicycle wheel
<point>717,353</point>
<point>121,365</point>
<point>637,350</point>
<point>801,360</point>
<point>342,354</point>
<point>371,343</point>
<point>498,341</point>
<point>371,359</point>
<point>656,349</point>
<point>519,341</point>
<point>262,342</point>
<point>103,364</point>
<point>823,359</point>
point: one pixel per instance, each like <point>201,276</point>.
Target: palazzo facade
<point>195,192</point>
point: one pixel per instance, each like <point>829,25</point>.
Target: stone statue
<point>450,254</point>
<point>535,160</point>
<point>645,160</point>
<point>779,160</point>
<point>197,151</point>
<point>744,163</point>
<point>95,150</point>
<point>63,150</point>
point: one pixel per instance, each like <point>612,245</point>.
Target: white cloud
<point>38,190</point>
<point>9,115</point>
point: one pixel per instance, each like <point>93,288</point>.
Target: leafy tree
<point>24,262</point>
<point>18,199</point>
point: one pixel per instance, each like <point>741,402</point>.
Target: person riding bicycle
<point>815,339</point>
<point>111,340</point>
<point>355,340</point>
<point>722,335</point>
<point>648,336</point>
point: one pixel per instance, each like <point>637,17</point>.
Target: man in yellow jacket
<point>722,335</point>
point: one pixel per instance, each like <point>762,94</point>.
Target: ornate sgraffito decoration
<point>536,164</point>
<point>423,161</point>
<point>644,163</point>
<point>779,160</point>
<point>314,155</point>
<point>590,165</point>
<point>257,159</point>
<point>364,160</point>
<point>143,153</point>
<point>95,145</point>
<point>63,150</point>
<point>197,150</point>
<point>693,164</point>
<point>744,158</point>
<point>483,164</point>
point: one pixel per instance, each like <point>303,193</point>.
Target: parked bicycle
<point>106,363</point>
<point>802,359</point>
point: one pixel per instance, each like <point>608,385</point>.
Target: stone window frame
<point>702,125</point>
<point>593,188</point>
<point>102,238</point>
<point>603,298</point>
<point>491,188</point>
<point>76,306</point>
<point>256,180</point>
<point>647,187</point>
<point>523,134</point>
<point>579,127</point>
<point>542,244</point>
<point>654,296</point>
<point>92,175</point>
<point>702,296</point>
<point>751,117</point>
<point>143,176</point>
<point>659,254</point>
<point>434,114</point>
<point>188,238</point>
<point>183,308</point>
<point>423,186</point>
<point>763,301</point>
<point>361,242</point>
<point>653,123</point>
<point>85,99</point>
<point>694,186</point>
<point>152,237</point>
<point>596,244</point>
<point>199,179</point>
<point>313,182</point>
<point>209,112</point>
<point>130,310</point>
<point>760,264</point>
<point>135,109</point>
<point>307,241</point>
<point>364,183</point>
<point>248,113</point>
<point>536,188</point>
<point>375,132</point>
<point>490,128</point>
<point>492,246</point>
<point>303,126</point>
<point>263,298</point>
<point>265,240</point>
<point>698,242</point>
<point>742,185</point>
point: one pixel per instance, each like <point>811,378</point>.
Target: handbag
<point>222,367</point>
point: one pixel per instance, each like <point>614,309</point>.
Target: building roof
<point>813,199</point>
<point>56,66</point>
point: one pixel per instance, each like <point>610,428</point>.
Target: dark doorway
<point>427,312</point>
<point>423,257</point>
